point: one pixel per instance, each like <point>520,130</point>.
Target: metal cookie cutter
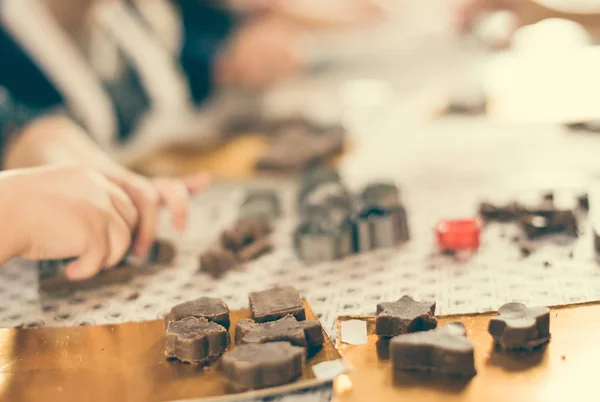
<point>333,194</point>
<point>384,195</point>
<point>400,223</point>
<point>336,210</point>
<point>261,203</point>
<point>376,227</point>
<point>323,240</point>
<point>315,177</point>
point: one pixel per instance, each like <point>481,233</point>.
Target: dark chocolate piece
<point>520,327</point>
<point>52,277</point>
<point>281,125</point>
<point>217,262</point>
<point>298,333</point>
<point>539,224</point>
<point>261,203</point>
<point>242,328</point>
<point>263,365</point>
<point>583,201</point>
<point>245,232</point>
<point>318,240</point>
<point>535,225</point>
<point>590,126</point>
<point>403,316</point>
<point>505,213</point>
<point>525,250</point>
<point>445,350</point>
<point>273,304</point>
<point>255,250</point>
<point>297,148</point>
<point>212,309</point>
<point>548,197</point>
<point>162,252</point>
<point>195,340</point>
<point>472,104</point>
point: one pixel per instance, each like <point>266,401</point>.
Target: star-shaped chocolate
<point>403,316</point>
<point>298,333</point>
<point>520,327</point>
<point>195,340</point>
<point>445,350</point>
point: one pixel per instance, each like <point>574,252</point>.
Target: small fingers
<point>124,206</point>
<point>119,239</point>
<point>197,182</point>
<point>174,194</point>
<point>147,201</point>
<point>94,257</point>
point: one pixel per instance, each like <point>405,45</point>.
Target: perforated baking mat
<point>560,271</point>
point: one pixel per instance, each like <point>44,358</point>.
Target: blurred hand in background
<point>261,52</point>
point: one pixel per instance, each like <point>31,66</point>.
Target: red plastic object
<point>458,234</point>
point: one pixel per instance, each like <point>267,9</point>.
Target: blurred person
<point>245,43</point>
<point>97,61</point>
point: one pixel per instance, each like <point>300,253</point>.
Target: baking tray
<point>122,362</point>
<point>565,370</point>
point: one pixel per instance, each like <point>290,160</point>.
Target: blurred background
<point>428,91</point>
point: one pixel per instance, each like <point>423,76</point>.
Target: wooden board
<point>235,159</point>
<point>123,362</point>
<point>565,370</point>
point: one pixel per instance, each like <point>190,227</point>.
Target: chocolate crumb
<point>547,264</point>
<point>525,251</point>
<point>133,296</point>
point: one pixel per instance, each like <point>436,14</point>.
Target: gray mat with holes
<point>560,271</point>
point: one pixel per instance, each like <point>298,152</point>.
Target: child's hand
<point>149,195</point>
<point>63,212</point>
<point>56,140</point>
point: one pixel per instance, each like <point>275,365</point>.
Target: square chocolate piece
<point>210,308</point>
<point>273,304</point>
